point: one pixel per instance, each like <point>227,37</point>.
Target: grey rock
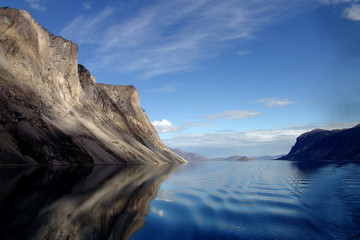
<point>53,111</point>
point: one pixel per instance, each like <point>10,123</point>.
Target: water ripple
<point>259,200</point>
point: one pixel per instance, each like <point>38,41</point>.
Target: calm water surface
<point>257,200</point>
<point>207,200</point>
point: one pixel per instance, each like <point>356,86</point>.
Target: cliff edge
<point>322,144</point>
<point>52,111</point>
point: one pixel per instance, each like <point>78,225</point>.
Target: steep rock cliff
<point>52,111</point>
<point>321,144</point>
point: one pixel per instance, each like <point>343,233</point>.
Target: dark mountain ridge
<point>319,144</point>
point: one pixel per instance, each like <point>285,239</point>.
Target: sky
<point>221,78</point>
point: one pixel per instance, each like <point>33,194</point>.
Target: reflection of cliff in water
<point>312,166</point>
<point>101,202</point>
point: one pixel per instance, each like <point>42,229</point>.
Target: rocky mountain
<point>234,158</point>
<point>322,144</point>
<point>190,156</point>
<point>197,157</point>
<point>52,111</point>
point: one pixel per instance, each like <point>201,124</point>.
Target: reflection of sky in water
<point>209,200</point>
<point>257,200</point>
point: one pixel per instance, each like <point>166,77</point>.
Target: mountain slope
<point>190,156</point>
<point>327,145</point>
<point>52,111</point>
<point>234,158</point>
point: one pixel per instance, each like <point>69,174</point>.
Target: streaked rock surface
<point>52,111</point>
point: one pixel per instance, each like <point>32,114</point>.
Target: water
<point>207,200</point>
<point>257,200</point>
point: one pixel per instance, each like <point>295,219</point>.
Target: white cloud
<point>235,114</point>
<point>352,12</point>
<point>159,212</point>
<point>37,4</point>
<point>171,36</point>
<point>164,126</point>
<point>249,143</point>
<point>272,102</point>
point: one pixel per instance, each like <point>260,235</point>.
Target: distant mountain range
<point>319,144</point>
<point>233,158</point>
<point>197,157</point>
<point>190,156</point>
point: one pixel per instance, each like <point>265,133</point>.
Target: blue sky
<point>221,78</point>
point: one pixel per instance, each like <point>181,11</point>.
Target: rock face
<point>327,145</point>
<point>52,111</point>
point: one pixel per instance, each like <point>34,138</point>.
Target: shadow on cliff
<point>95,202</point>
<point>52,111</point>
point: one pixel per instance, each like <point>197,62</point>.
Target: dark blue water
<point>257,200</point>
<point>208,200</point>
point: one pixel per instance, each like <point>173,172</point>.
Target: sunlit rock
<point>52,111</point>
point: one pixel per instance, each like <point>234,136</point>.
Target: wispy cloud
<point>170,36</point>
<point>234,114</point>
<point>250,143</point>
<point>274,102</point>
<point>164,126</point>
<point>352,12</point>
<point>37,4</point>
<point>85,29</point>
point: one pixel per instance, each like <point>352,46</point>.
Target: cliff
<point>327,145</point>
<point>52,111</point>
